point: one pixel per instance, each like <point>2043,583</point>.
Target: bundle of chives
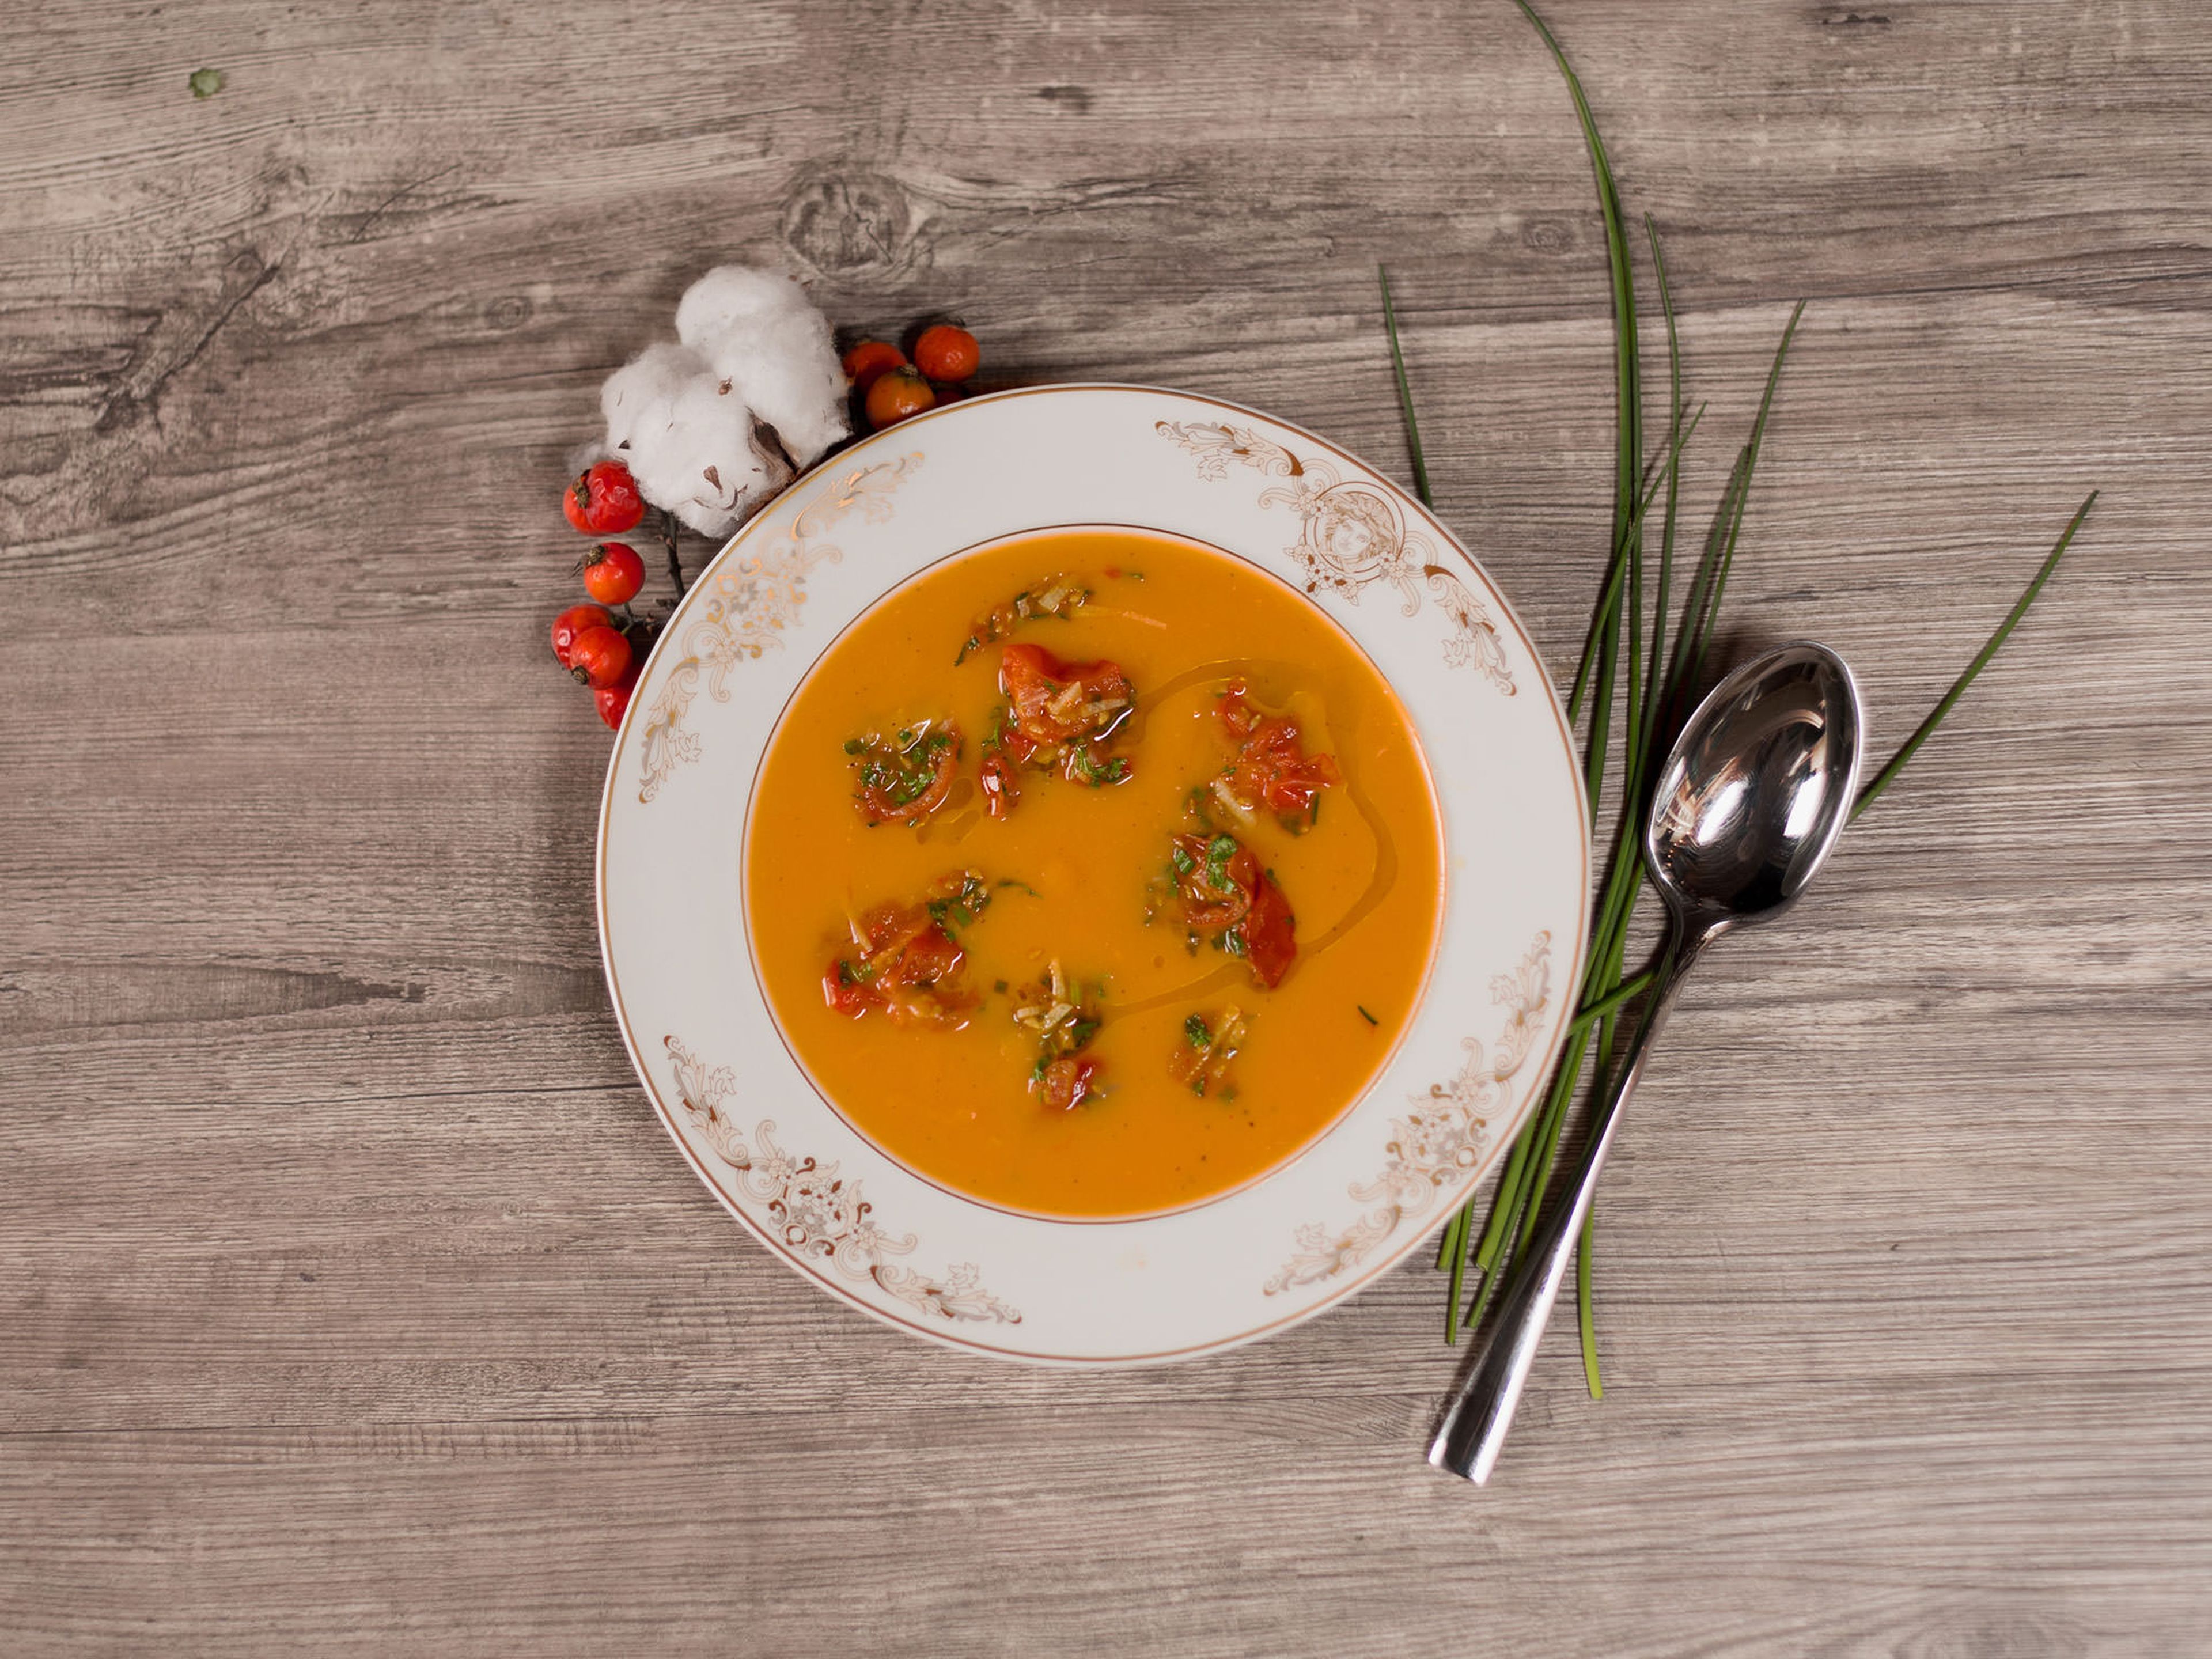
<point>1653,701</point>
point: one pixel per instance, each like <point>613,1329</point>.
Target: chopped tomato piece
<point>1271,768</point>
<point>1222,894</point>
<point>847,995</point>
<point>1270,941</point>
<point>905,776</point>
<point>1000,791</point>
<point>1063,1018</point>
<point>909,966</point>
<point>1215,878</point>
<point>1064,1083</point>
<point>1056,702</point>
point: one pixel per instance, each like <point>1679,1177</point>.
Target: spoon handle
<point>1474,1424</point>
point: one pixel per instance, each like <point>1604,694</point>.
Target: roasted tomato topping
<point>1059,596</point>
<point>1000,791</point>
<point>1270,934</point>
<point>1055,701</point>
<point>1064,1084</point>
<point>1221,894</point>
<point>1203,1059</point>
<point>1060,717</point>
<point>1063,1018</point>
<point>906,962</point>
<point>903,777</point>
<point>1272,771</point>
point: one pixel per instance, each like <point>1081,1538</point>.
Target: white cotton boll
<point>700,460</point>
<point>788,372</point>
<point>759,332</point>
<point>644,389</point>
<point>688,442</point>
<point>730,296</point>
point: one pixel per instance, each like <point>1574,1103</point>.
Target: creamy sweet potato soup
<point>1093,873</point>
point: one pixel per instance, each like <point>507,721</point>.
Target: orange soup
<point>1093,873</point>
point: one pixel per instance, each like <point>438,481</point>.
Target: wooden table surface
<point>352,1298</point>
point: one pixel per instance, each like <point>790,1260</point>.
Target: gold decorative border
<point>1354,535</point>
<point>1436,1145</point>
<point>814,1213</point>
<point>751,604</point>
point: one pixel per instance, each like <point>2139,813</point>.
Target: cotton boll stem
<point>668,537</point>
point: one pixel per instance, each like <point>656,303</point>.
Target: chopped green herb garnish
<point>1084,766</point>
<point>1184,864</point>
<point>900,770</point>
<point>1219,852</point>
<point>1009,881</point>
<point>1365,1015</point>
<point>1202,1062</point>
<point>1054,596</point>
<point>1000,986</point>
<point>955,907</point>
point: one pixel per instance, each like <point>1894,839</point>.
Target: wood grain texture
<point>351,1299</point>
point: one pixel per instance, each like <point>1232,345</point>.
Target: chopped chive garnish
<point>1365,1015</point>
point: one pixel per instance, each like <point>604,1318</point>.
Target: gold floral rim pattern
<point>750,606</point>
<point>816,1215</point>
<point>1352,537</point>
<point>1434,1146</point>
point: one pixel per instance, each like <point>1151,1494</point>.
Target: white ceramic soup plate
<point>1280,1249</point>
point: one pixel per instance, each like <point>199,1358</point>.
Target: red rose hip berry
<point>947,353</point>
<point>571,622</point>
<point>599,658</point>
<point>613,573</point>
<point>603,500</point>
<point>896,396</point>
<point>613,701</point>
<point>869,361</point>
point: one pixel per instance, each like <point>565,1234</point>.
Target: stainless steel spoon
<point>1758,789</point>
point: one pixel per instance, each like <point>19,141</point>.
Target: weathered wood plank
<point>352,1298</point>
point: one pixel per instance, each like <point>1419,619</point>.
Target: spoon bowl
<point>1757,789</point>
